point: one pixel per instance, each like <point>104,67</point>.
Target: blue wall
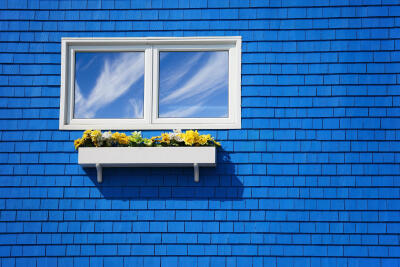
<point>312,178</point>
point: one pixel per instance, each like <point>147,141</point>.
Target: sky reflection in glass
<point>109,85</point>
<point>193,84</point>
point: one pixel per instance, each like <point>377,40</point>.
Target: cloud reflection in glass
<point>109,85</point>
<point>193,84</point>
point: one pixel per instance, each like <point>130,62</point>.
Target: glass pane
<point>193,84</point>
<point>109,85</point>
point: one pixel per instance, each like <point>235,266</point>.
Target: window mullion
<point>148,89</point>
<point>155,74</point>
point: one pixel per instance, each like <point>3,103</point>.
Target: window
<point>150,83</point>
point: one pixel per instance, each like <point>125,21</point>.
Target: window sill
<point>100,157</point>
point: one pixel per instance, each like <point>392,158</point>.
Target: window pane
<point>193,84</point>
<point>109,85</point>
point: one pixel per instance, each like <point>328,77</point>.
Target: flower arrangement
<point>95,138</point>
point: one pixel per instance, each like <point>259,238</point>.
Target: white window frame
<point>151,47</point>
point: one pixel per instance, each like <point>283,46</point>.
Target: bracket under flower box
<point>100,157</point>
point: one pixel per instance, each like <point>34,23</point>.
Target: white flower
<point>137,134</point>
<point>176,131</point>
<point>136,137</point>
<point>176,137</point>
<point>106,135</point>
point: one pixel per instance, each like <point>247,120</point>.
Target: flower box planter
<point>100,157</point>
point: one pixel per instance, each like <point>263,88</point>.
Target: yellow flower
<point>95,133</point>
<point>217,143</point>
<point>95,136</point>
<point>190,137</point>
<point>202,139</point>
<point>123,139</point>
<point>115,136</point>
<point>155,139</point>
<point>120,138</point>
<point>86,134</point>
<point>77,143</point>
<point>165,138</point>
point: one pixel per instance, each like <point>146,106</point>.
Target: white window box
<point>100,157</point>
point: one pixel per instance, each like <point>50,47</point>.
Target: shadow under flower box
<point>100,157</point>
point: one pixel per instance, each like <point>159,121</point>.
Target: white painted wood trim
<point>149,45</point>
<point>152,40</point>
<point>63,85</point>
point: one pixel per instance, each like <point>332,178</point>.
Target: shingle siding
<point>312,178</point>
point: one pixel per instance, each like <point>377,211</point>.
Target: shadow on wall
<point>170,183</point>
